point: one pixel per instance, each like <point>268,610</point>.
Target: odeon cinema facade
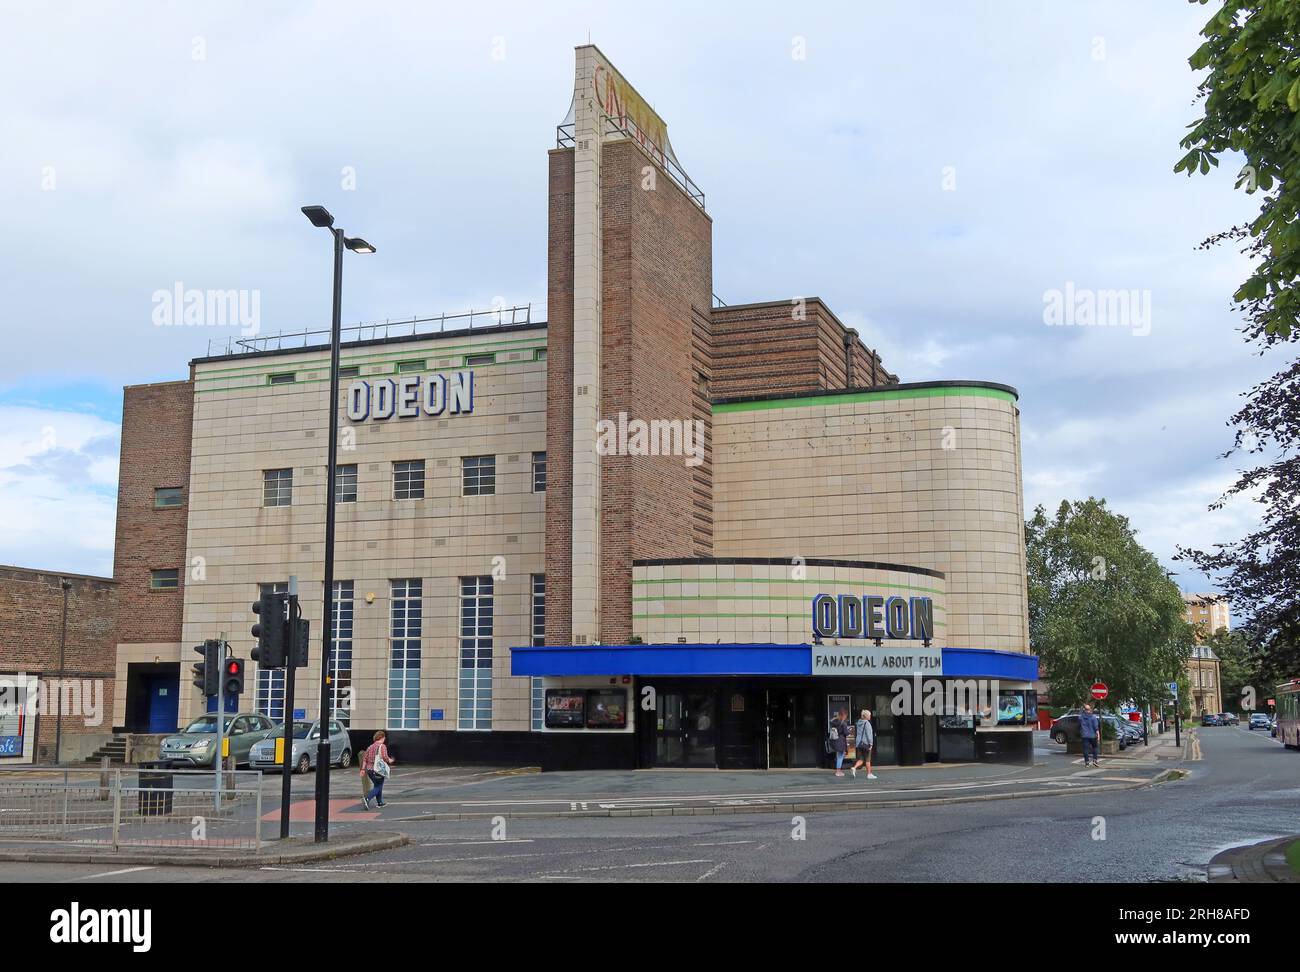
<point>651,531</point>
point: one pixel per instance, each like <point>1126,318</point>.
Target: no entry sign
<point>1099,690</point>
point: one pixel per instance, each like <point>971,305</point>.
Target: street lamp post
<point>63,648</point>
<point>320,217</point>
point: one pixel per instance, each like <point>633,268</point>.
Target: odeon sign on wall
<point>874,617</point>
<point>410,395</point>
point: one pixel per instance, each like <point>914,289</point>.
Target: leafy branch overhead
<point>1251,103</point>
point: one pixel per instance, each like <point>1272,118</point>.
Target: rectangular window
<point>345,484</point>
<point>539,472</point>
<point>168,579</point>
<point>406,621</point>
<point>478,475</point>
<point>479,359</point>
<point>475,711</point>
<point>350,371</point>
<point>416,364</point>
<point>277,487</point>
<point>165,497</point>
<point>341,653</point>
<point>283,378</point>
<point>270,682</point>
<point>408,480</point>
<point>539,354</point>
<point>539,638</point>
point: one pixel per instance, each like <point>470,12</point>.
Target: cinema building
<point>650,531</point>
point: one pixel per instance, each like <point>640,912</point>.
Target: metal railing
<point>377,330</point>
<point>117,809</point>
<point>565,137</point>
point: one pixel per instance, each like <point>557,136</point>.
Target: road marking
<point>619,867</point>
<point>95,877</point>
<point>474,843</point>
<point>710,872</point>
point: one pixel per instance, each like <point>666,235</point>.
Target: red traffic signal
<point>234,676</point>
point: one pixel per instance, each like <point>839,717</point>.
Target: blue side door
<point>164,703</point>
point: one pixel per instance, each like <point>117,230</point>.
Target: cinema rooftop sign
<point>407,396</point>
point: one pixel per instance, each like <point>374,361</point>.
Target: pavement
<point>418,797</point>
<point>1262,863</point>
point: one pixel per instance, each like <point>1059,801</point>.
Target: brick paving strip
<point>1262,863</point>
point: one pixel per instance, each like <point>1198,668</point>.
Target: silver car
<point>306,737</point>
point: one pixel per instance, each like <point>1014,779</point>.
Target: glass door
<point>701,739</point>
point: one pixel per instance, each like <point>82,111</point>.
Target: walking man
<point>1090,734</point>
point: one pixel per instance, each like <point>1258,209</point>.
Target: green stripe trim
<point>773,580</point>
<point>259,384</point>
<point>883,395</point>
<point>203,373</point>
<point>651,617</point>
<point>741,597</point>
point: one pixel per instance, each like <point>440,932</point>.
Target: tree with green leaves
<point>1250,105</point>
<point>1101,607</point>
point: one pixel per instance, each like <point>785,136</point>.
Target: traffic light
<point>207,672</point>
<point>234,677</point>
<point>270,631</point>
<point>304,639</point>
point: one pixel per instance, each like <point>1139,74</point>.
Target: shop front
<point>982,708</point>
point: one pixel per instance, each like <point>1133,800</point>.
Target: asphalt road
<point>1245,788</point>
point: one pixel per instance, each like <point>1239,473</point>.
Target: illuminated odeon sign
<point>410,395</point>
<point>873,617</point>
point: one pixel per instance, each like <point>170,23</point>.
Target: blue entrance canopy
<point>737,659</point>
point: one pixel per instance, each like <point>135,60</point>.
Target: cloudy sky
<point>932,171</point>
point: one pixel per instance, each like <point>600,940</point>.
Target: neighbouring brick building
<point>39,678</point>
<point>649,531</point>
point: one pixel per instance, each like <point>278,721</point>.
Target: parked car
<point>1133,730</point>
<point>1211,719</point>
<point>306,737</point>
<point>1066,729</point>
<point>1259,720</point>
<point>1121,734</point>
<point>1230,718</point>
<point>196,744</point>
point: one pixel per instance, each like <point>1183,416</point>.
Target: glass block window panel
<point>478,475</point>
<point>408,480</point>
<point>475,697</point>
<point>341,653</point>
<point>270,682</point>
<point>539,704</point>
<point>406,619</point>
<point>277,487</point>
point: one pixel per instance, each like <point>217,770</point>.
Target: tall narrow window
<point>277,487</point>
<point>345,484</point>
<point>475,653</point>
<point>408,480</point>
<point>406,623</point>
<point>478,475</point>
<point>341,653</point>
<point>270,682</point>
<point>539,472</point>
<point>539,638</point>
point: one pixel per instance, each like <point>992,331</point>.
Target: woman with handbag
<point>377,765</point>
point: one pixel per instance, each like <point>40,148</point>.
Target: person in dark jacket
<point>840,742</point>
<point>1090,734</point>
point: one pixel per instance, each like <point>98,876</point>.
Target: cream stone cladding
<point>244,425</point>
<point>761,603</point>
<point>921,474</point>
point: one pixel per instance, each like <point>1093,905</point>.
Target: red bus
<point>1288,713</point>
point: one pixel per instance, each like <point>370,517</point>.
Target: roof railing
<point>565,137</point>
<point>377,330</point>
